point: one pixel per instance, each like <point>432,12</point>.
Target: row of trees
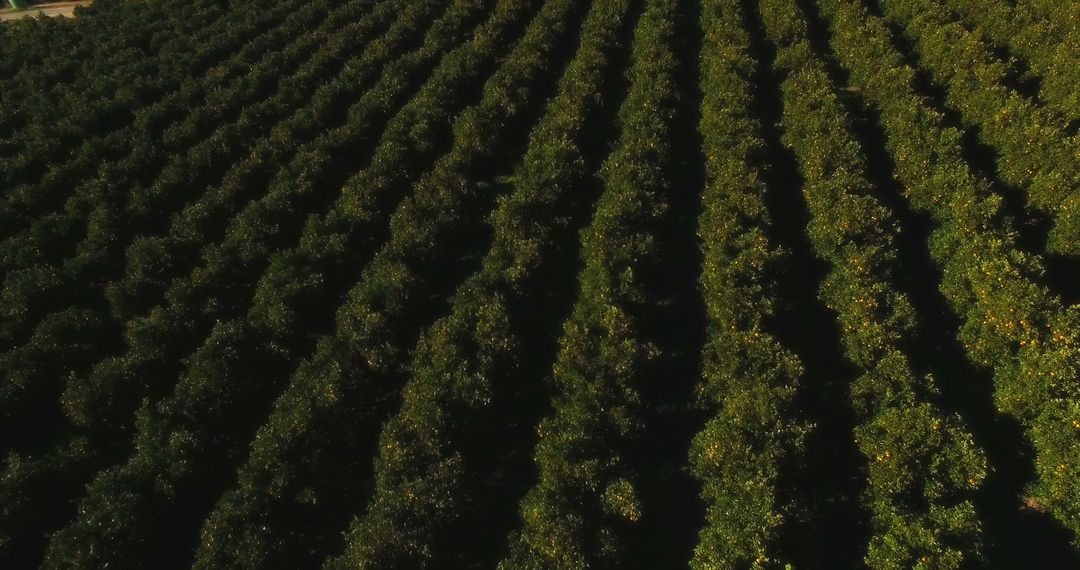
<point>209,314</point>
<point>52,265</point>
<point>241,161</point>
<point>259,207</point>
<point>1035,151</point>
<point>1012,324</point>
<point>44,275</point>
<point>1047,45</point>
<point>304,476</point>
<point>64,343</point>
<point>189,443</point>
<point>411,519</point>
<point>750,380</point>
<point>924,468</point>
<point>54,151</point>
<point>77,278</point>
<point>71,339</point>
<point>45,207</point>
<point>104,50</point>
<point>31,259</point>
<point>583,510</point>
<point>26,42</point>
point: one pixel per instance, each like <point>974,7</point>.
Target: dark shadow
<point>1018,75</point>
<point>1073,128</point>
<point>674,512</point>
<point>49,502</point>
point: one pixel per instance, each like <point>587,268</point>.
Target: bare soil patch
<point>44,8</point>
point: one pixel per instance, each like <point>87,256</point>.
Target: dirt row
<point>44,8</point>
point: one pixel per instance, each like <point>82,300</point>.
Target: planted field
<point>527,284</point>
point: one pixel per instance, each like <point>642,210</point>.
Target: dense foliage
<point>749,379</point>
<point>528,284</point>
<point>923,466</point>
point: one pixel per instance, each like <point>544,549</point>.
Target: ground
<point>46,8</point>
